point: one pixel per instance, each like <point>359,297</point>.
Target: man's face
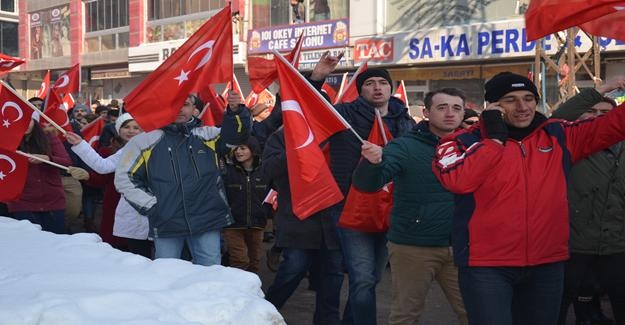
<point>38,104</point>
<point>79,113</point>
<point>186,112</point>
<point>519,108</point>
<point>376,90</point>
<point>445,114</point>
<point>597,110</point>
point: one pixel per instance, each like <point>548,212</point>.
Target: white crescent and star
<point>64,81</point>
<point>11,162</point>
<point>208,46</point>
<point>20,114</point>
<point>292,105</point>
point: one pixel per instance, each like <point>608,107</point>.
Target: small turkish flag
<point>331,92</point>
<point>236,87</point>
<point>205,58</point>
<point>308,120</point>
<point>45,86</point>
<point>13,172</point>
<point>91,132</point>
<point>265,97</point>
<point>401,93</point>
<point>364,211</point>
<point>15,117</point>
<point>56,110</point>
<point>263,72</point>
<point>349,93</point>
<point>7,63</point>
<point>68,82</point>
<point>214,109</point>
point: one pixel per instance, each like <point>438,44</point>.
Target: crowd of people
<point>515,214</point>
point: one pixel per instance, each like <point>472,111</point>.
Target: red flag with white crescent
<point>15,117</point>
<point>68,82</point>
<point>91,132</point>
<point>401,93</point>
<point>7,63</point>
<point>262,72</point>
<point>13,172</point>
<point>45,86</point>
<point>205,58</point>
<point>326,88</point>
<point>350,92</point>
<point>56,110</point>
<point>236,87</point>
<point>308,120</point>
<point>214,109</point>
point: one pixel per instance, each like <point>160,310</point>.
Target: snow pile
<point>62,279</point>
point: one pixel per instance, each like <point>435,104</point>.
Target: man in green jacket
<point>596,209</point>
<point>419,233</point>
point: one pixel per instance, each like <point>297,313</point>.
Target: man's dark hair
<point>197,102</point>
<point>609,101</point>
<point>447,91</point>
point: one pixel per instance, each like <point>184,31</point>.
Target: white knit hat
<point>121,119</point>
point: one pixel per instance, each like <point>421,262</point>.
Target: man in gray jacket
<point>172,176</point>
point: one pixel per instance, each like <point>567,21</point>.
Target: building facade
<point>427,43</point>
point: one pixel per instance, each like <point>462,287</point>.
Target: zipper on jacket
<point>173,165</point>
<point>197,170</point>
<point>524,154</point>
<point>249,201</point>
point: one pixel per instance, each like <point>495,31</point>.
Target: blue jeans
<point>365,255</point>
<point>205,248</point>
<point>292,270</point>
<point>512,295</point>
<point>52,221</point>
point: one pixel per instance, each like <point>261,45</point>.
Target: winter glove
<point>495,126</point>
<point>78,173</point>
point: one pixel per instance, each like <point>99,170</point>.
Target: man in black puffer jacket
<point>365,254</point>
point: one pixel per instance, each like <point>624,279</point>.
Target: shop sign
<point>374,49</point>
<point>327,34</point>
<point>504,39</point>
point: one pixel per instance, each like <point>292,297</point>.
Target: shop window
<point>106,14</point>
<point>7,5</point>
<point>161,9</point>
<point>268,13</point>
<point>8,38</point>
<point>98,41</point>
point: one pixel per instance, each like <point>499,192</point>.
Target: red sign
<point>376,49</point>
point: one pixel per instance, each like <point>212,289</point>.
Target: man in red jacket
<point>509,173</point>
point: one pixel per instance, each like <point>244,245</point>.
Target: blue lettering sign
<point>512,37</point>
<point>463,46</point>
<point>427,48</point>
<point>413,53</point>
<point>497,40</point>
<point>483,38</point>
<point>446,46</point>
<point>525,46</point>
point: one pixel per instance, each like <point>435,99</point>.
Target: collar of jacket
<point>519,134</point>
<point>422,132</point>
<point>183,128</point>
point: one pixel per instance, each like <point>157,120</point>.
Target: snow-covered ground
<point>62,279</point>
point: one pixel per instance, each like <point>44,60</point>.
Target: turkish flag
<point>91,132</point>
<point>308,120</point>
<point>326,88</point>
<point>205,58</point>
<point>7,63</point>
<point>56,110</point>
<point>265,97</point>
<point>45,86</point>
<point>214,109</point>
<point>610,25</point>
<point>545,17</point>
<point>13,172</point>
<point>68,102</point>
<point>349,93</point>
<point>401,93</point>
<point>262,72</point>
<point>15,117</point>
<point>68,82</point>
<point>237,87</point>
<point>364,211</point>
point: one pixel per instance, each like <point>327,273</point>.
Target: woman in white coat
<point>126,223</point>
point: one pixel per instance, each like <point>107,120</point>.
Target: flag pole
<point>378,116</point>
<point>35,108</point>
<point>325,102</point>
<point>42,160</point>
<point>359,71</point>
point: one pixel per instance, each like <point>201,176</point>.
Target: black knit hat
<point>373,72</point>
<point>505,82</point>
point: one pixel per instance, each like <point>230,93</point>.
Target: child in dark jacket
<point>246,188</point>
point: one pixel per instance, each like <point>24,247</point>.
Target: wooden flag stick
<point>35,109</point>
<point>42,160</point>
